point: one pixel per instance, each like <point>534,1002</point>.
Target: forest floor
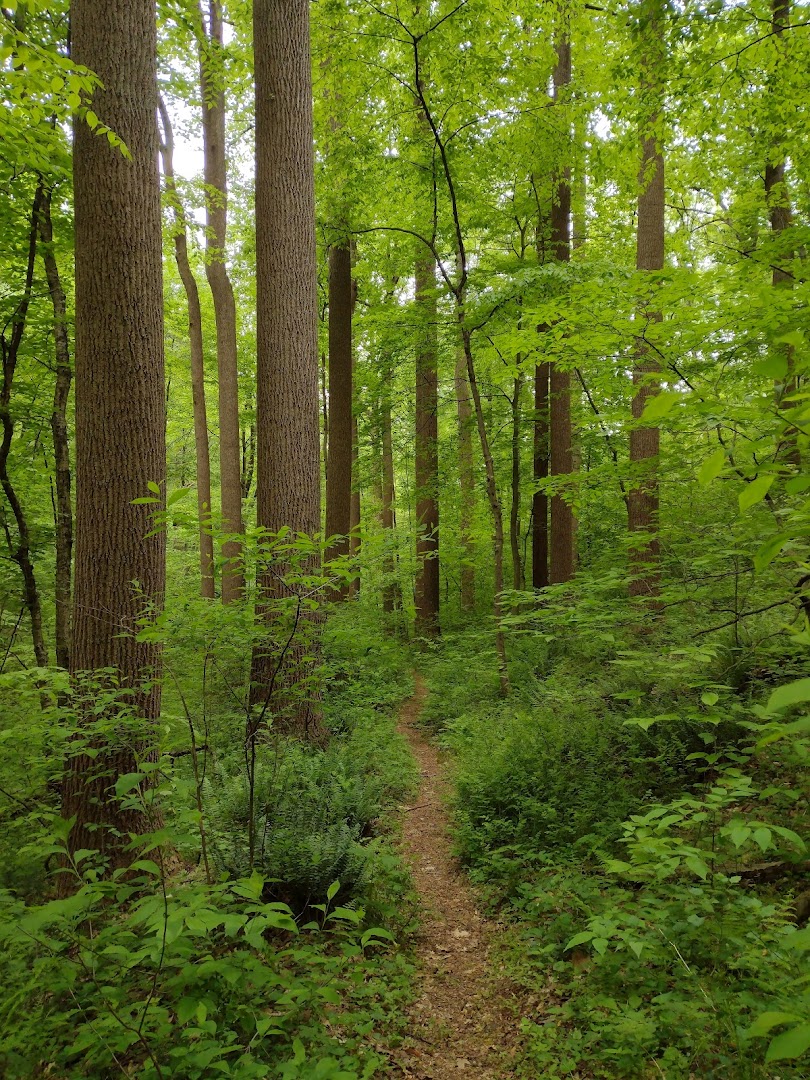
<point>463,1021</point>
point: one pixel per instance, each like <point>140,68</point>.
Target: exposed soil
<point>463,1023</point>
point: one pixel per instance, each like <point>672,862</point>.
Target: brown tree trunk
<point>288,467</point>
<point>642,497</point>
<point>427,450</point>
<point>339,493</point>
<point>120,402</point>
<point>216,206</point>
<point>61,445</point>
<point>514,512</point>
<point>466,473</point>
<point>561,454</point>
<point>392,596</point>
<point>248,436</point>
<point>195,337</point>
<point>540,498</point>
<point>10,347</point>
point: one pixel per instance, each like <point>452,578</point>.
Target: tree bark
<point>514,511</point>
<point>216,206</point>
<point>466,472</point>
<point>561,454</point>
<point>339,493</point>
<point>195,337</point>
<point>392,595</point>
<point>355,539</point>
<point>120,409</point>
<point>288,467</point>
<point>427,450</point>
<point>642,496</point>
<point>541,455</point>
<point>61,444</point>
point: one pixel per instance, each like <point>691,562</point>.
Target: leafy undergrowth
<point>296,967</point>
<point>640,819</point>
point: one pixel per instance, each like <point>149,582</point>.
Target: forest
<point>404,539</point>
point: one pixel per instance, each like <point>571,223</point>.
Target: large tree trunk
<point>10,347</point>
<point>561,456</point>
<point>216,205</point>
<point>339,464</point>
<point>195,337</point>
<point>288,467</point>
<point>642,497</point>
<point>466,474</point>
<point>427,450</point>
<point>120,406</point>
<point>514,512</point>
<point>540,498</point>
<point>63,510</point>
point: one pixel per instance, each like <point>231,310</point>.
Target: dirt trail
<point>461,1025</point>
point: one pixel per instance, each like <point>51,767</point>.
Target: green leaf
<point>697,866</point>
<point>769,550</point>
<point>793,693</point>
<point>374,933</point>
<point>152,486</point>
<point>333,890</point>
<point>768,1020</point>
<point>660,405</point>
<point>756,491</point>
<point>763,838</point>
<point>711,467</point>
<point>581,938</point>
<point>709,698</point>
<point>790,1044</point>
<point>128,782</point>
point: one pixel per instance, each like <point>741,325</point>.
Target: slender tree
<point>212,86</point>
<point>120,401</point>
<point>339,461</point>
<point>288,469</point>
<point>195,337</point>
<point>427,448</point>
<point>466,476</point>
<point>63,509</point>
<point>561,463</point>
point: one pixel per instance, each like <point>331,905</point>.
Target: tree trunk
<point>10,347</point>
<point>61,446</point>
<point>195,337</point>
<point>216,206</point>
<point>514,513</point>
<point>642,497</point>
<point>392,596</point>
<point>427,450</point>
<point>466,472</point>
<point>288,467</point>
<point>561,455</point>
<point>355,538</point>
<point>339,493</point>
<point>540,498</point>
<point>120,408</point>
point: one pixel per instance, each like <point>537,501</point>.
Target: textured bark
<point>466,474</point>
<point>561,455</point>
<point>120,418</point>
<point>195,337</point>
<point>288,467</point>
<point>540,499</point>
<point>427,450</point>
<point>392,595</point>
<point>339,491</point>
<point>10,347</point>
<point>63,510</point>
<point>514,512</point>
<point>642,497</point>
<point>216,206</point>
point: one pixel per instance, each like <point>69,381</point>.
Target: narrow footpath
<point>461,1024</point>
